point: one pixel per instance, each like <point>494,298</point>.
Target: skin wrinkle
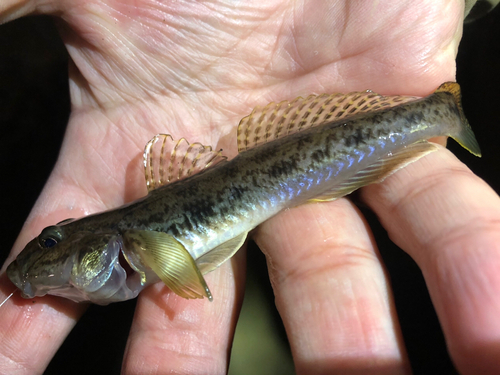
<point>387,190</point>
<point>428,184</point>
<point>93,51</point>
<point>270,45</point>
<point>13,364</point>
<point>212,62</point>
<point>18,355</point>
<point>81,94</point>
<point>461,233</point>
<point>373,337</point>
<point>452,276</point>
<point>92,163</point>
<point>355,257</point>
<point>345,319</point>
<point>470,294</point>
<point>190,342</point>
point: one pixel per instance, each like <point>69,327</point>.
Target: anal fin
<point>379,171</point>
<point>218,255</point>
<point>169,259</point>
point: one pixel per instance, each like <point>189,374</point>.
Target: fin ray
<point>167,160</point>
<point>218,255</point>
<point>465,137</point>
<point>379,171</point>
<point>277,120</point>
<point>171,262</point>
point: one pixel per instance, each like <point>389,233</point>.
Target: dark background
<point>34,109</point>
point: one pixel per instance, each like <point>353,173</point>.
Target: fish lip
<point>27,290</point>
<point>14,274</point>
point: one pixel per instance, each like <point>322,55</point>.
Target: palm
<point>193,70</point>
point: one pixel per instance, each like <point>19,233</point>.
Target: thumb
<point>13,9</point>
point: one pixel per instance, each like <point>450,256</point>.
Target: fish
<point>201,206</point>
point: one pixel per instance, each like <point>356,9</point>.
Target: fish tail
<point>465,137</point>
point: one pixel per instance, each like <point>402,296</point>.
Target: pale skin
<point>194,70</point>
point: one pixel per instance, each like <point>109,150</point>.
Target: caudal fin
<point>465,137</point>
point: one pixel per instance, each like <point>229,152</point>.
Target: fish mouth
<point>14,275</point>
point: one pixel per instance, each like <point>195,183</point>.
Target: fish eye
<point>48,242</point>
<point>49,237</point>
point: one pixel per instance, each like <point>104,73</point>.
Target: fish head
<point>81,266</point>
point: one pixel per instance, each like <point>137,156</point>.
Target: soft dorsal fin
<point>277,120</point>
<point>167,160</point>
<point>380,170</point>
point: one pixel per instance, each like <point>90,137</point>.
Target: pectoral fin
<point>218,255</point>
<point>168,258</point>
<point>380,170</point>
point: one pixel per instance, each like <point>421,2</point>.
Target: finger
<point>331,291</point>
<point>13,9</point>
<point>170,334</point>
<point>448,220</point>
<point>32,330</point>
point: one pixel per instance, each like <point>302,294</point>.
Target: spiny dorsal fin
<point>380,170</point>
<point>168,258</point>
<point>167,160</point>
<point>277,120</point>
<point>218,255</point>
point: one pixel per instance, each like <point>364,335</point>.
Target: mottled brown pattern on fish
<point>232,189</point>
<point>228,192</point>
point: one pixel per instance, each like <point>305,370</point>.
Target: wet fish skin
<point>213,207</point>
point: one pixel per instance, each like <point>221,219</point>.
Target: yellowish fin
<point>380,170</point>
<point>168,258</point>
<point>167,160</point>
<point>465,137</point>
<point>218,255</point>
<point>277,120</point>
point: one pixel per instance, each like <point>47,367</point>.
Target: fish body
<point>188,227</point>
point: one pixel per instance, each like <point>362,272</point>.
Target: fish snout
<point>14,275</point>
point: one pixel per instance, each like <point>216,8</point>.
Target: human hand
<point>193,70</point>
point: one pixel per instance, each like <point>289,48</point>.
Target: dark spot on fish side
<point>415,118</point>
<point>317,156</point>
<point>359,137</point>
<point>282,168</point>
<point>355,139</point>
